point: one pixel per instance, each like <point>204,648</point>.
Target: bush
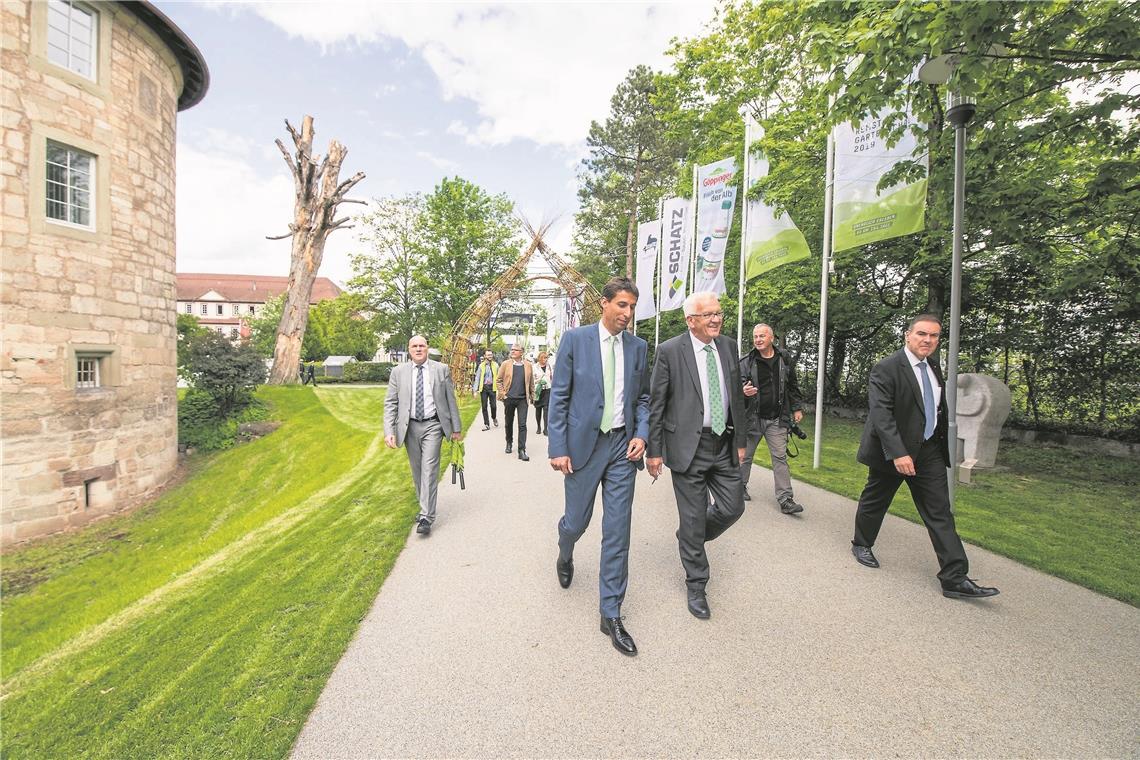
<point>200,426</point>
<point>367,372</point>
<point>227,373</point>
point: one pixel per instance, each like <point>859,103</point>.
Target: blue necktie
<point>928,407</point>
<point>420,392</point>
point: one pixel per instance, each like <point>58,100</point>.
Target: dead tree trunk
<point>318,194</point>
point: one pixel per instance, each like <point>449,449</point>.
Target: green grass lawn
<point>206,624</point>
<point>1072,514</point>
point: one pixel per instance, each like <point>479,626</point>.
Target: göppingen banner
<point>862,214</point>
<point>770,240</point>
<point>715,201</point>
<point>648,244</point>
<point>677,237</point>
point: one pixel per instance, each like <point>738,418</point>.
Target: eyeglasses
<point>932,336</point>
<point>709,315</point>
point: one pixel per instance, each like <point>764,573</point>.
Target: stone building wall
<point>71,454</point>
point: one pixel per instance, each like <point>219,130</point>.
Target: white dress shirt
<point>429,400</point>
<point>619,372</point>
<point>934,384</point>
<point>703,372</point>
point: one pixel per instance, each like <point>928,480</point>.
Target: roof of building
<point>195,75</point>
<point>246,288</point>
<point>337,361</point>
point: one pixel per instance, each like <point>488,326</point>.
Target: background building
<point>223,302</point>
<point>90,95</point>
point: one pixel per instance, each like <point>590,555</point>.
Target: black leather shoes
<point>699,606</point>
<point>565,572</point>
<point>523,456</point>
<point>496,422</point>
<point>508,448</point>
<point>747,496</point>
<point>423,527</point>
<point>864,556</point>
<point>623,642</point>
<point>967,589</point>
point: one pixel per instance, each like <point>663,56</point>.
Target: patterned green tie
<point>715,400</point>
<point>609,361</point>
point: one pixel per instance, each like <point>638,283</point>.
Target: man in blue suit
<point>598,421</point>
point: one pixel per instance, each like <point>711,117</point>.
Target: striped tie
<point>420,392</point>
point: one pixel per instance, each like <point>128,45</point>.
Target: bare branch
<point>286,236</point>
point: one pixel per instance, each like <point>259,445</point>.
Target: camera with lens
<point>797,432</point>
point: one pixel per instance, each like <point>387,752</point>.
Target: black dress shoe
<point>565,572</point>
<point>623,642</point>
<point>523,456</point>
<point>699,606</point>
<point>967,589</point>
<point>864,556</point>
<point>496,422</point>
<point>508,448</point>
<point>423,527</point>
<point>747,496</point>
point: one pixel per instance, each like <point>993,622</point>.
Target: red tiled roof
<point>246,288</point>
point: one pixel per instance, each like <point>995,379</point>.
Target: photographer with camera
<point>772,400</point>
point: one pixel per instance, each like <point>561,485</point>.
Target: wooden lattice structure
<point>457,352</point>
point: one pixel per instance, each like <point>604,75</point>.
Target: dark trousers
<point>510,407</point>
<point>714,470</point>
<point>928,488</point>
<point>540,409</point>
<point>487,397</point>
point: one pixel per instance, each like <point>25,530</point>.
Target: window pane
<point>189,309</point>
<point>80,19</point>
<point>56,153</point>
<point>81,216</point>
<point>203,310</point>
<point>56,192</point>
<point>80,198</point>
<point>56,210</point>
<point>57,38</point>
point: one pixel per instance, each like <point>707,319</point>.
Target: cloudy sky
<point>500,94</point>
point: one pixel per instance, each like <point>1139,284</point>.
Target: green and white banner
<point>770,240</point>
<point>648,246</point>
<point>715,201</point>
<point>677,237</point>
<point>861,213</point>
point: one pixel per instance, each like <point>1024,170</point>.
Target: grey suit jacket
<point>676,404</point>
<point>400,399</point>
<point>896,418</point>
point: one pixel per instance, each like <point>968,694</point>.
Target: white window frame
<point>69,188</point>
<point>237,309</point>
<point>221,310</point>
<point>70,57</point>
<point>189,308</point>
<point>252,309</point>
<point>87,371</point>
<point>205,310</point>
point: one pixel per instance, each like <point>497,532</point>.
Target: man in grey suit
<point>698,427</point>
<point>904,439</point>
<point>419,410</point>
<point>598,422</point>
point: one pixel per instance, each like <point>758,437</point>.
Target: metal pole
<point>657,276</point>
<point>743,236</point>
<point>955,307</point>
<point>824,274</point>
<point>693,237</point>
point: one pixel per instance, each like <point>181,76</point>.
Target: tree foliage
<point>226,372</point>
<point>1053,199</point>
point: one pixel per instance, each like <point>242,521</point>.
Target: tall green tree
<point>341,326</point>
<point>631,165</point>
<point>393,274</point>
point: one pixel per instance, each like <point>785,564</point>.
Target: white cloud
<point>436,161</point>
<point>226,209</point>
<point>537,71</point>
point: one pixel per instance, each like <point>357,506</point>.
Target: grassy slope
<point>1073,515</point>
<point>207,624</point>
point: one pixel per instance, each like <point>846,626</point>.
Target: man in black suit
<point>697,426</point>
<point>904,439</point>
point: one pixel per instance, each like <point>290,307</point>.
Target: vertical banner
<point>862,213</point>
<point>648,245</point>
<point>715,202</point>
<point>675,232</point>
<point>771,240</point>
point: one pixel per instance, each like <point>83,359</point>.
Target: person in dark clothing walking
<point>773,402</point>
<point>515,389</point>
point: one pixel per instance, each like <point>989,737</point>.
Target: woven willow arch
<point>457,351</point>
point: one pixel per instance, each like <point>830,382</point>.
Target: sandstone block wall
<point>71,454</point>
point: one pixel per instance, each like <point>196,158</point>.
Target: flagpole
<point>744,234</point>
<point>693,237</point>
<point>657,270</point>
<point>828,192</point>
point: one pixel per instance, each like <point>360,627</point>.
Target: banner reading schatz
<point>648,246</point>
<point>714,219</point>
<point>677,237</point>
<point>862,214</point>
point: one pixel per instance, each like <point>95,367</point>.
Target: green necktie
<point>609,361</point>
<point>715,401</point>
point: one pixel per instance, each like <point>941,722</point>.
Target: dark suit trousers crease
<point>510,407</point>
<point>713,469</point>
<point>609,468</point>
<point>928,488</point>
<point>487,398</point>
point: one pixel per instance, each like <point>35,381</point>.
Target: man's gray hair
<point>691,301</point>
<point>764,324</point>
<point>516,345</point>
